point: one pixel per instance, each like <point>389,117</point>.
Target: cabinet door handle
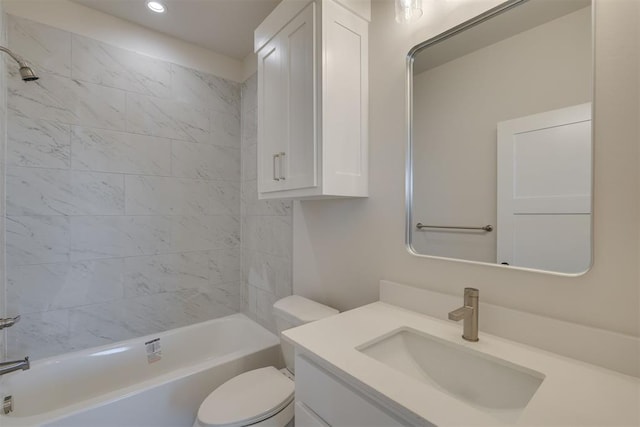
<point>275,156</point>
<point>280,157</point>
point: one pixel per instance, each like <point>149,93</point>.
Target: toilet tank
<point>294,311</point>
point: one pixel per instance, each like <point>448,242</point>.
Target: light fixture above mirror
<point>408,10</point>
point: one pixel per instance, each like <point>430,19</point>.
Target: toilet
<point>263,397</point>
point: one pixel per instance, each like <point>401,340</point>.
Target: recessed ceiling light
<point>156,6</point>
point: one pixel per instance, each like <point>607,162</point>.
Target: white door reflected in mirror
<point>544,190</point>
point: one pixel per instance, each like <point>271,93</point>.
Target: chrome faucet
<point>14,365</point>
<point>468,313</point>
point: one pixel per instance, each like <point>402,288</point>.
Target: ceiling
<point>223,26</point>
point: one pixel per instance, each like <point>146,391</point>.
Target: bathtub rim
<point>136,388</point>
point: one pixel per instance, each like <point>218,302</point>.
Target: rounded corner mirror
<point>499,167</point>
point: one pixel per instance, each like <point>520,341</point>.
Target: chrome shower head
<point>26,72</point>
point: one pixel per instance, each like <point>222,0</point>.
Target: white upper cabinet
<point>313,100</point>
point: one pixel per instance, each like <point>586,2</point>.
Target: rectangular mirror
<point>500,138</point>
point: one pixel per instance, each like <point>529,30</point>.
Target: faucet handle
<point>459,313</point>
<point>9,321</point>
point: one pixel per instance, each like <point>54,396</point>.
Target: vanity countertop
<point>572,393</point>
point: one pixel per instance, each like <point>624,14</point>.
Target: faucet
<point>14,365</point>
<point>468,313</point>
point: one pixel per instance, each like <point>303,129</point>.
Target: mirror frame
<point>485,16</point>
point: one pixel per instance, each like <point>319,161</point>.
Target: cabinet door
<point>272,118</point>
<point>335,402</point>
<point>299,165</point>
<point>305,417</point>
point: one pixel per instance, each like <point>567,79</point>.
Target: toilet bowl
<point>263,397</point>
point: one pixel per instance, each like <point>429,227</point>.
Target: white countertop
<point>573,393</point>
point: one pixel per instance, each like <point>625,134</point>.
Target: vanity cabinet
<point>322,399</point>
<point>313,100</point>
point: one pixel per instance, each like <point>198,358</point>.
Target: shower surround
<point>3,142</point>
<point>122,194</point>
<point>267,237</point>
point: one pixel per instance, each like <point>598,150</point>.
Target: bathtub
<point>158,380</point>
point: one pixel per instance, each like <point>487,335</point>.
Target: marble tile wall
<point>266,228</point>
<point>3,144</point>
<point>123,179</point>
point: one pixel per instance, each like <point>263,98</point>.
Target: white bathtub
<point>120,384</point>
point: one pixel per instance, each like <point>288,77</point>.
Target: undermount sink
<point>490,384</point>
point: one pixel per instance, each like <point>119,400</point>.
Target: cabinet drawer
<point>334,401</point>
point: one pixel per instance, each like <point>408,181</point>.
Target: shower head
<point>26,72</point>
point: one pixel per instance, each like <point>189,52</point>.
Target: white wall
<point>457,106</point>
<point>342,248</point>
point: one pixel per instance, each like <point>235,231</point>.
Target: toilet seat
<point>247,399</point>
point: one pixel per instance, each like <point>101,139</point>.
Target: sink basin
<point>490,384</point>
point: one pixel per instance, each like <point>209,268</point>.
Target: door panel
<point>552,242</point>
<point>562,152</point>
<point>271,114</point>
<point>299,161</point>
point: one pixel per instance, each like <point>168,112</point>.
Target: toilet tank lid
<point>296,309</point>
